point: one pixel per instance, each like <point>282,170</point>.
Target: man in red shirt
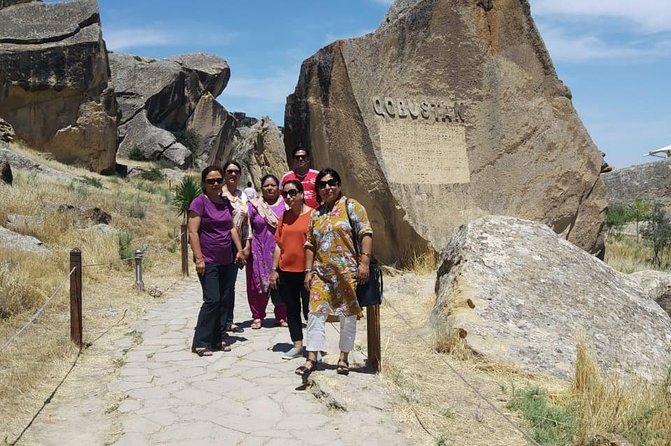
<point>304,174</point>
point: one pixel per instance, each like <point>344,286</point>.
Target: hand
<point>363,273</point>
<point>200,266</point>
<point>274,279</point>
<point>240,258</point>
<point>245,253</point>
<point>307,280</point>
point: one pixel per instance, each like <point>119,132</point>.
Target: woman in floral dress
<point>332,269</point>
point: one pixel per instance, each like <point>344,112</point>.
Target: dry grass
<point>36,360</point>
<point>625,254</point>
<point>423,263</point>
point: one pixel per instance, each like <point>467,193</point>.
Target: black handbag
<point>369,293</point>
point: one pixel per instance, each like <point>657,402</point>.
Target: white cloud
<point>651,15</point>
<point>569,47</point>
<point>384,2</point>
<point>272,89</point>
<point>124,39</point>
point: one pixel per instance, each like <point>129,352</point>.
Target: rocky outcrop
<point>215,127</point>
<point>22,162</point>
<point>449,111</point>
<point>54,81</point>
<point>658,286</point>
<point>6,175</point>
<point>17,242</point>
<point>6,131</point>
<point>260,151</point>
<point>516,292</point>
<point>651,181</point>
<point>160,97</point>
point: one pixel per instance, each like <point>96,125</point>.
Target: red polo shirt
<point>309,185</point>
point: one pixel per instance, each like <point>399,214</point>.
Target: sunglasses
<point>300,157</point>
<point>290,193</point>
<point>233,171</point>
<point>332,182</point>
<point>212,181</point>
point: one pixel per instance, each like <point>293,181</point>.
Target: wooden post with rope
<point>373,328</point>
<point>76,297</point>
<point>185,250</point>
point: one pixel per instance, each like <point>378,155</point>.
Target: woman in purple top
<point>216,247</point>
<point>263,212</point>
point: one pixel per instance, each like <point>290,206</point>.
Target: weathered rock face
<point>168,94</point>
<point>54,81</point>
<point>6,175</point>
<point>658,286</point>
<point>17,242</point>
<point>521,294</point>
<point>260,151</point>
<point>6,131</point>
<point>215,128</point>
<point>451,110</point>
<point>21,162</point>
<point>651,181</point>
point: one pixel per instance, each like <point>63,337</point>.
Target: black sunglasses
<point>290,193</point>
<point>332,182</point>
<point>300,157</point>
<point>214,181</point>
<point>236,171</point>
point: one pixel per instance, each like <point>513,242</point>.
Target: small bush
<point>185,192</point>
<point>125,250</point>
<point>657,234</point>
<point>153,174</point>
<point>136,153</point>
<point>189,139</point>
<point>136,210</point>
<point>90,181</point>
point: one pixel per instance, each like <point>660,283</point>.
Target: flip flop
<point>305,371</point>
<point>256,324</point>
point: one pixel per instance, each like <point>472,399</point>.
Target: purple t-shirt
<point>216,221</point>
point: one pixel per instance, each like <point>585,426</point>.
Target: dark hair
<point>207,171</point>
<point>249,184</point>
<point>307,152</point>
<point>235,163</point>
<point>296,183</point>
<point>270,175</point>
<point>322,173</point>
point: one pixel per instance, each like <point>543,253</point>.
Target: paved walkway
<point>248,396</point>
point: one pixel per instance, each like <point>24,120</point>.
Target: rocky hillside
<point>651,181</point>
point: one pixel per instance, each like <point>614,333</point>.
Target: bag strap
<point>355,237</point>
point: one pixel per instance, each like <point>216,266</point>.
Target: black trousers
<point>217,282</point>
<point>296,298</point>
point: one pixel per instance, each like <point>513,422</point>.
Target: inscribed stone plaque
<point>420,153</point>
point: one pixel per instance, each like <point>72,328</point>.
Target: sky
<point>614,55</point>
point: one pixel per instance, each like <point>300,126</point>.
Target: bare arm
<point>193,225</point>
<point>364,257</point>
<point>309,260</point>
<point>239,256</point>
<point>274,275</point>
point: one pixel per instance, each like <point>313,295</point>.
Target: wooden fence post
<point>373,327</point>
<point>185,250</point>
<point>76,297</point>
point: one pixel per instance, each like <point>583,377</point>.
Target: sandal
<point>284,323</point>
<point>225,347</point>
<point>343,367</point>
<point>202,351</point>
<point>256,324</point>
<point>305,371</point>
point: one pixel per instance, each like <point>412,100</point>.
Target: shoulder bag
<point>369,293</point>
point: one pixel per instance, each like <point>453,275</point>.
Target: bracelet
<point>365,254</point>
<point>309,270</point>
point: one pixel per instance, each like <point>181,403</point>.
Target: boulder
<point>17,242</point>
<point>6,175</point>
<point>516,292</point>
<point>24,163</point>
<point>24,223</point>
<point>658,286</point>
<point>215,128</point>
<point>154,142</point>
<point>172,94</point>
<point>651,181</point>
<point>260,151</point>
<point>449,111</point>
<point>6,131</point>
<point>54,81</point>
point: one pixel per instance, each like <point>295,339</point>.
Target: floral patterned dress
<point>333,285</point>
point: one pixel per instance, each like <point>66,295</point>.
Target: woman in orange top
<point>289,262</point>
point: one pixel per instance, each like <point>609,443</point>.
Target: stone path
<point>248,396</point>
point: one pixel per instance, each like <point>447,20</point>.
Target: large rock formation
<point>451,110</point>
<point>260,151</point>
<point>160,97</point>
<point>651,181</point>
<point>54,81</point>
<point>516,292</point>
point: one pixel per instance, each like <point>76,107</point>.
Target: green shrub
<point>125,250</point>
<point>153,174</point>
<point>185,192</point>
<point>136,153</point>
<point>90,181</point>
<point>657,233</point>
<point>189,139</point>
<point>136,210</point>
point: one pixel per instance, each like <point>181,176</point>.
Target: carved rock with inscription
<point>450,111</point>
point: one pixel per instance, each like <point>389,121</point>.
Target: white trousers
<point>316,333</point>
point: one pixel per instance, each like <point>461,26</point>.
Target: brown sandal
<point>305,371</point>
<point>224,347</point>
<point>202,351</point>
<point>343,367</point>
